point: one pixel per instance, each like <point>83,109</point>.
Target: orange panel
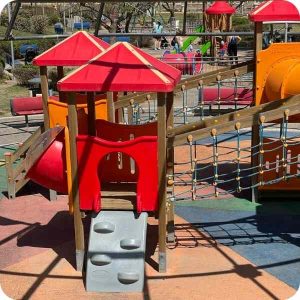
<point>273,159</point>
<point>58,112</point>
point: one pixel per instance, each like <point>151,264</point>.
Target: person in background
<point>158,28</point>
<point>190,48</point>
<point>175,44</point>
<point>119,27</point>
<point>233,47</point>
<point>222,49</point>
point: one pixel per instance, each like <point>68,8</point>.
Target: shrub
<point>39,24</point>
<point>4,19</point>
<point>22,24</point>
<point>53,19</point>
<point>43,45</point>
<point>242,24</point>
<point>24,73</point>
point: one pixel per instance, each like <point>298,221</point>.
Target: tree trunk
<point>127,22</point>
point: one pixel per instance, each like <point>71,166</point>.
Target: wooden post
<point>110,107</point>
<point>258,35</point>
<point>45,96</point>
<point>212,53</point>
<point>45,92</point>
<point>184,17</point>
<point>91,113</point>
<point>204,16</point>
<point>162,182</point>
<point>78,226</point>
<point>170,169</point>
<point>11,183</point>
<point>60,75</point>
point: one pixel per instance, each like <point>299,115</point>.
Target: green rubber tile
<point>270,207</point>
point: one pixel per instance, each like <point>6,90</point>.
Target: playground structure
<point>184,181</point>
<point>218,18</point>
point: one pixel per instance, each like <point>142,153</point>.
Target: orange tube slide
<point>278,72</point>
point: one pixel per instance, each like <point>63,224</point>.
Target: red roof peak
<point>122,67</point>
<point>276,10</point>
<point>75,50</point>
<point>220,8</point>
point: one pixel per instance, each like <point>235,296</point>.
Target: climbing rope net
<point>220,166</point>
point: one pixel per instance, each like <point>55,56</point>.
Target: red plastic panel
<point>92,152</point>
<point>50,170</point>
<point>111,171</point>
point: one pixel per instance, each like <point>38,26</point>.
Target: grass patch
<point>8,91</point>
<point>49,30</point>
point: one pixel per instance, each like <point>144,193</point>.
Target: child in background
<point>223,47</point>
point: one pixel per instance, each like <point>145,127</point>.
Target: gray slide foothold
<point>128,278</point>
<point>116,252</point>
<point>100,259</point>
<point>104,227</point>
<point>130,244</point>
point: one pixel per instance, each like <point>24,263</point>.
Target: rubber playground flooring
<point>265,233</point>
<point>37,260</point>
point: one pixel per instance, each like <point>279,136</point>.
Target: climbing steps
<point>116,252</point>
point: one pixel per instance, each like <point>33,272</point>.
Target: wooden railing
<point>228,122</point>
<point>15,165</point>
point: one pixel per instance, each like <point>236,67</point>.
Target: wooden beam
<point>258,38</point>
<point>170,169</point>
<point>245,122</point>
<point>45,95</point>
<point>233,116</point>
<point>162,182</point>
<point>91,113</point>
<point>78,226</point>
<point>25,146</point>
<point>110,107</point>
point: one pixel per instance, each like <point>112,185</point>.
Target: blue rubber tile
<point>270,241</point>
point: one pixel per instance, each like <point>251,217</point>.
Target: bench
<point>244,96</point>
<point>26,106</point>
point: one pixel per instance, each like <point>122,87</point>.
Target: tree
<point>169,7</point>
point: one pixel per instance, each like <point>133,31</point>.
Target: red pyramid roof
<point>75,50</point>
<point>279,10</point>
<point>220,8</point>
<point>122,67</point>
